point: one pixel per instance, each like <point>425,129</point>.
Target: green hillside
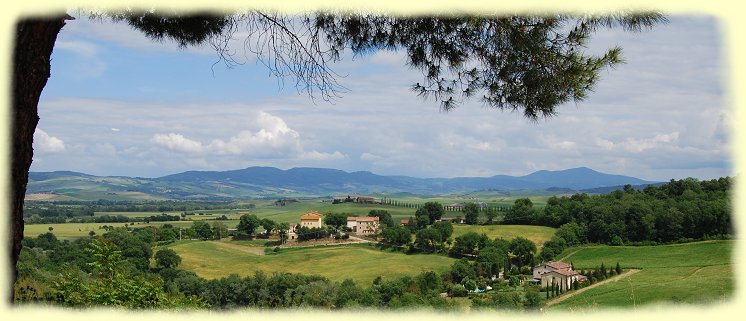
<point>361,263</point>
<point>697,273</point>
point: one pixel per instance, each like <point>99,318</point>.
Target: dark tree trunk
<point>35,38</point>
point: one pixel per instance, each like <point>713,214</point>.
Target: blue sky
<point>120,104</point>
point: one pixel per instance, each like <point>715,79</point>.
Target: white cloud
<point>319,156</point>
<point>604,143</point>
<point>177,142</point>
<point>79,47</point>
<point>273,139</point>
<point>370,157</point>
<point>45,143</point>
<point>566,145</point>
<point>639,145</point>
<point>115,129</point>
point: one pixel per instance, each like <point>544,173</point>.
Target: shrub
<point>457,290</point>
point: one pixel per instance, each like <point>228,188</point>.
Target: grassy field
<point>537,234</point>
<point>75,230</point>
<point>696,273</point>
<point>361,263</point>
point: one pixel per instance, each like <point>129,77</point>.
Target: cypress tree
<point>556,288</point>
<point>547,289</point>
<point>618,268</point>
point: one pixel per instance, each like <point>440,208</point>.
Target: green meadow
<point>537,234</point>
<point>694,273</point>
<point>76,230</point>
<point>361,263</point>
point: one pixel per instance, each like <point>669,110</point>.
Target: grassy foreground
<point>697,273</point>
<point>361,263</point>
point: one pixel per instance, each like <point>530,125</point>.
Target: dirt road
<point>571,294</point>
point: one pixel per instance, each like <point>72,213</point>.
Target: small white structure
<point>292,233</point>
<point>363,224</point>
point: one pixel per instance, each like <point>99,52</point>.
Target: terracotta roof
<point>404,222</point>
<point>558,265</point>
<point>564,272</point>
<point>312,215</point>
<point>363,218</point>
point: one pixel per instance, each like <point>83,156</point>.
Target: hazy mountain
<point>274,182</point>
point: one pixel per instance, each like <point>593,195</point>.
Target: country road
<point>571,294</point>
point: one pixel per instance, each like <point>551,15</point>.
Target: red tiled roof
<point>363,218</point>
<point>565,272</point>
<point>312,215</point>
<point>558,265</point>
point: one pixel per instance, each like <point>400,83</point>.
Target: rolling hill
<point>270,182</point>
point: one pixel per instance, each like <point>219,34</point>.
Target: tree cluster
<point>677,211</point>
<point>71,272</point>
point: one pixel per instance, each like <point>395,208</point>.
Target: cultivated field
<point>537,234</point>
<point>698,273</point>
<point>361,263</point>
<point>75,230</point>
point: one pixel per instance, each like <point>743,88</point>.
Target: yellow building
<point>310,219</point>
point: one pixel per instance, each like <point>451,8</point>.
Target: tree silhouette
<point>526,63</point>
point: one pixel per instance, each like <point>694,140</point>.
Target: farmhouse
<point>556,272</point>
<point>454,207</point>
<point>363,224</point>
<point>403,222</point>
<point>292,234</point>
<point>310,219</point>
<point>460,206</point>
<point>365,200</point>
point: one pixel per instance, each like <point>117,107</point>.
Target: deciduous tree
<point>167,258</point>
<point>471,213</point>
<point>248,223</point>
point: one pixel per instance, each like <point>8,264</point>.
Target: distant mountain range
<point>269,182</point>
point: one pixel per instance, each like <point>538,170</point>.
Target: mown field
<point>537,234</point>
<point>361,263</point>
<point>289,213</point>
<point>698,273</point>
<point>75,230</point>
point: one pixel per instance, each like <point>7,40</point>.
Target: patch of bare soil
<point>40,196</point>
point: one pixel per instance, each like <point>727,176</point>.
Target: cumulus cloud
<point>639,145</point>
<point>177,142</point>
<point>319,156</point>
<point>272,139</point>
<point>45,143</point>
